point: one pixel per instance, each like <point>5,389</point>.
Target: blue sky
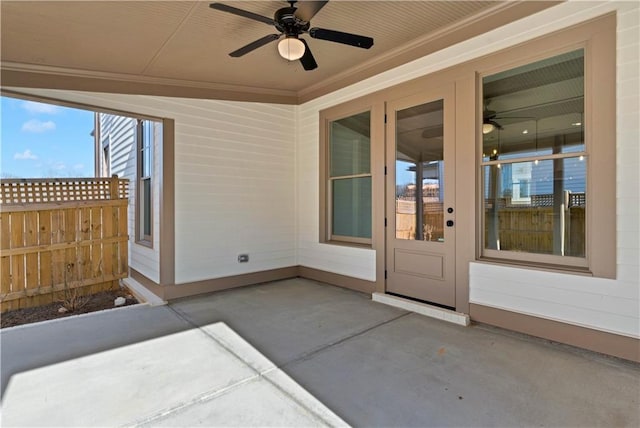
<point>43,140</point>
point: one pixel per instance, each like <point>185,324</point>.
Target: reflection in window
<point>420,173</point>
<point>534,162</point>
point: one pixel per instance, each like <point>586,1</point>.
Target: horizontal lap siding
<point>234,183</point>
<point>234,188</point>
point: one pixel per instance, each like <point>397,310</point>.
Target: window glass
<point>350,144</point>
<point>349,178</point>
<point>145,133</point>
<point>145,149</point>
<point>536,207</point>
<point>352,207</point>
<point>534,160</point>
<point>420,172</point>
<point>146,207</point>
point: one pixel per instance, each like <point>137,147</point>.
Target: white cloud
<point>35,125</point>
<point>25,155</point>
<point>36,108</point>
<point>58,166</point>
<point>78,166</point>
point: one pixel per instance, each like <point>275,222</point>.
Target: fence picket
<point>5,261</point>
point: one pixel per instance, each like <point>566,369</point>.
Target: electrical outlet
<point>243,258</point>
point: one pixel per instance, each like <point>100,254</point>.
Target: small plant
<point>71,298</point>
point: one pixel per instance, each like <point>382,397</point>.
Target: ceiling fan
<point>291,22</point>
<point>490,119</point>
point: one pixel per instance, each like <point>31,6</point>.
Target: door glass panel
<point>420,172</point>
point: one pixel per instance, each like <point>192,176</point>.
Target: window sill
<point>551,268</point>
<point>147,244</point>
<point>348,244</point>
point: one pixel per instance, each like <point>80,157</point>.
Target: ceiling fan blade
<point>340,37</point>
<point>255,45</point>
<point>433,132</point>
<point>308,9</point>
<point>493,122</point>
<point>308,61</point>
<point>240,12</point>
<point>488,114</point>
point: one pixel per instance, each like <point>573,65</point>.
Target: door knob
<point>449,223</point>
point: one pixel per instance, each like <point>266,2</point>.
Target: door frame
<point>438,290</point>
<point>466,178</point>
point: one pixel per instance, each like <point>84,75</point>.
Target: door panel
<point>420,212</point>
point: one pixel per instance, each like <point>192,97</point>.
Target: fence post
<point>113,187</point>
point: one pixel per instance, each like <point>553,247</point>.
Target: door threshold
<point>422,308</point>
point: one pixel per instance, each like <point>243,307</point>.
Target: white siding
<point>234,182</point>
<point>609,305</point>
<point>234,187</point>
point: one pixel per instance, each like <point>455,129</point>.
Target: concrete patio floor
<point>301,353</point>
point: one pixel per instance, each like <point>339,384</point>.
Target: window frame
<point>105,156</point>
<point>328,180</point>
<point>376,141</point>
<point>141,237</point>
<point>331,179</point>
<point>598,43</point>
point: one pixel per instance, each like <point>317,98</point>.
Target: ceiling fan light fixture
<point>291,48</point>
<point>488,128</point>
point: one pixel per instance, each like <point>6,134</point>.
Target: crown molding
<point>14,74</point>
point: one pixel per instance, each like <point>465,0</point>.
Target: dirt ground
<point>95,302</point>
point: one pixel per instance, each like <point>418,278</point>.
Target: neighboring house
<point>232,178</point>
<point>128,147</point>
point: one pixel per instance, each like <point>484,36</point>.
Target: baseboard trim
<point>594,340</point>
<point>344,281</point>
<point>176,291</point>
<point>228,282</point>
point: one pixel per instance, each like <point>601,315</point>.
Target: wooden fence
<point>58,235</point>
<point>531,230</point>
<point>433,220</point>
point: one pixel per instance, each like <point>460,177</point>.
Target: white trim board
<point>422,309</point>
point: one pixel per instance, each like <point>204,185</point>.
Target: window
<point>106,158</point>
<point>348,179</point>
<point>144,142</point>
<point>535,163</point>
